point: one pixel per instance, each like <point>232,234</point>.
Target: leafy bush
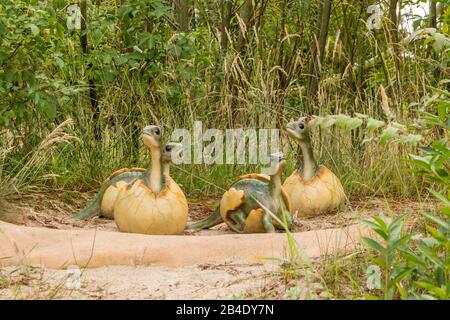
<point>29,40</point>
<point>420,269</point>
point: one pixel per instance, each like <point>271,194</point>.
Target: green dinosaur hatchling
<point>154,204</point>
<point>256,203</point>
<point>313,189</point>
<point>104,200</point>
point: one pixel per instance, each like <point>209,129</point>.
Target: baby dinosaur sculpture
<point>313,190</point>
<point>104,200</point>
<point>154,203</point>
<point>170,149</point>
<point>251,203</point>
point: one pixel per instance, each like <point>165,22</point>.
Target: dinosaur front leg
<point>267,222</point>
<point>238,218</point>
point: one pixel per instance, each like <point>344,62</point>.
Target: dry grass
<point>25,282</point>
<point>30,170</point>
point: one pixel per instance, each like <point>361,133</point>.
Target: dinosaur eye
<point>168,148</point>
<point>301,125</point>
<point>157,131</point>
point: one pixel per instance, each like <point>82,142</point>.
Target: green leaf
<point>375,245</point>
<point>381,232</point>
<point>377,226</point>
<point>342,120</point>
<point>400,242</point>
<point>442,109</point>
<point>34,28</point>
<point>413,258</point>
<point>353,123</point>
<point>413,139</point>
<point>427,297</point>
<point>425,285</point>
<point>429,242</point>
<point>381,220</point>
<point>440,197</point>
<point>436,220</point>
<point>403,292</point>
<point>423,162</point>
<point>120,60</point>
<point>49,109</point>
<point>388,134</point>
<point>430,254</point>
<point>373,124</point>
<point>3,56</point>
<point>437,235</point>
<point>328,121</point>
<point>445,211</point>
<point>440,42</point>
<point>400,276</point>
<point>395,227</point>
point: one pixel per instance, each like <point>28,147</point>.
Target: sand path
<point>58,249</point>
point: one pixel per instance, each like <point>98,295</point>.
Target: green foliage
<point>411,270</point>
<point>420,270</point>
<point>437,40</point>
<point>387,249</point>
<point>141,69</point>
<point>29,44</point>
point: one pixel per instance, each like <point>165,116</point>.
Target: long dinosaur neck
<point>166,170</point>
<point>154,177</point>
<point>309,164</point>
<point>275,179</point>
<point>276,184</point>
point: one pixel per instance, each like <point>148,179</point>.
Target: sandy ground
<point>44,210</point>
<point>227,279</point>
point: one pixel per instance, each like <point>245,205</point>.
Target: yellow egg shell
<point>139,210</point>
<point>109,199</point>
<point>320,195</point>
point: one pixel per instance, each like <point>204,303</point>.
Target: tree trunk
<point>394,42</point>
<point>226,12</point>
<point>83,34</point>
<point>393,23</point>
<point>93,98</point>
<point>433,14</point>
<point>318,51</point>
<point>259,23</point>
<point>282,35</point>
<point>182,14</point>
<point>246,15</point>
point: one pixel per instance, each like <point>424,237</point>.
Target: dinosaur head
<point>277,163</point>
<point>299,130</point>
<point>170,151</point>
<point>151,136</point>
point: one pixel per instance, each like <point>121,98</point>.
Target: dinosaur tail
<point>92,208</point>
<point>213,220</point>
